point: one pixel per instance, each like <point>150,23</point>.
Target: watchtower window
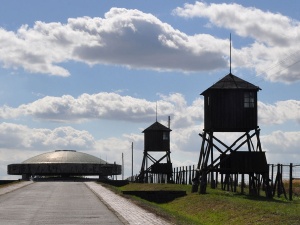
<point>249,100</point>
<point>165,135</point>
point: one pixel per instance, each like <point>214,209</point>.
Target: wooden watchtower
<point>231,106</point>
<point>156,140</point>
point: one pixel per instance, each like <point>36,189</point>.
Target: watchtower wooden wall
<point>230,105</point>
<point>157,140</point>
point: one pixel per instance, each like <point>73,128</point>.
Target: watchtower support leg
<point>196,180</point>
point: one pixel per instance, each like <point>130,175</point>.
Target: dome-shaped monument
<point>64,156</point>
<point>64,163</point>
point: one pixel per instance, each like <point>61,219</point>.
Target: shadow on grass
<point>115,183</point>
<point>157,196</point>
<point>263,198</point>
<point>253,197</point>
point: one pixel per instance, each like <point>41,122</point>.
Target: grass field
<point>218,207</point>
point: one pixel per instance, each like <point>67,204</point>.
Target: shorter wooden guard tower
<point>156,139</point>
<point>231,106</point>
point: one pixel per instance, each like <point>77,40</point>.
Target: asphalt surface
<point>69,203</point>
<point>55,203</point>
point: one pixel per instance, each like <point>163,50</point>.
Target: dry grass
<point>296,187</point>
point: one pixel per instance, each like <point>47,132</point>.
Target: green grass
<point>219,207</point>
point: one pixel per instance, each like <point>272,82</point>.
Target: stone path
<point>128,211</point>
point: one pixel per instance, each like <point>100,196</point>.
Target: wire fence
<point>284,178</point>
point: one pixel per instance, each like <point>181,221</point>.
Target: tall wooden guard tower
<point>231,106</point>
<point>156,139</point>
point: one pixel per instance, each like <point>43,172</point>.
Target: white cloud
<point>136,39</point>
<point>112,106</point>
<point>279,113</point>
<point>109,106</point>
<point>274,52</point>
<point>183,114</point>
<point>285,143</point>
<point>35,50</point>
<point>123,37</point>
<point>97,106</point>
<point>267,27</point>
<point>16,136</point>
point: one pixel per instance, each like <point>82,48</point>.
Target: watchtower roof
<point>231,81</point>
<point>156,127</point>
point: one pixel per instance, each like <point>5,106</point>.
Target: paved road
<point>54,203</point>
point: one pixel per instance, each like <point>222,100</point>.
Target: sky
<point>89,75</point>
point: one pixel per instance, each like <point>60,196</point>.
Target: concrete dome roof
<point>64,156</point>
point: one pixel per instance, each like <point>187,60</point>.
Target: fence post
<point>177,175</point>
<point>291,183</point>
<point>279,183</point>
<point>182,175</point>
<point>186,174</point>
<point>217,179</point>
<point>193,174</point>
<point>190,174</point>
<point>272,179</point>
